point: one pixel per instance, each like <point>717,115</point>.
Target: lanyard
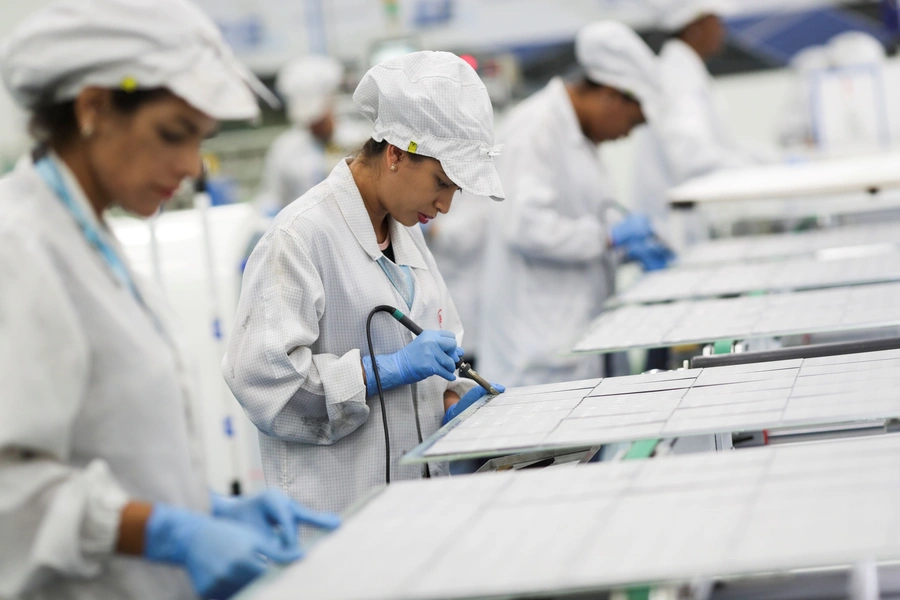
<point>52,177</point>
<point>401,278</point>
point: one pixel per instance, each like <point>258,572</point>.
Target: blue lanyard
<point>52,177</point>
<point>401,278</point>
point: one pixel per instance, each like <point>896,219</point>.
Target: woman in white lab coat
<point>298,360</point>
<point>103,492</point>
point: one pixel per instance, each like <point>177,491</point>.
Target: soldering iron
<point>465,370</point>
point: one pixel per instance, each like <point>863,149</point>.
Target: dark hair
<point>589,84</point>
<point>55,121</point>
<point>372,150</point>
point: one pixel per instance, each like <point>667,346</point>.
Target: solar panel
<point>752,397</point>
<point>844,175</point>
<point>612,525</point>
<point>697,321</point>
<point>792,274</point>
<point>850,240</point>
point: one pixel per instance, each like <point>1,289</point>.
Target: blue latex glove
<point>433,352</point>
<point>652,255</point>
<point>273,514</point>
<point>220,556</point>
<point>468,399</point>
<point>632,228</point>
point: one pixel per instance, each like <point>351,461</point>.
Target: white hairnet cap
<point>128,44</point>
<point>307,84</point>
<point>855,48</point>
<point>434,104</point>
<point>675,15</point>
<point>811,58</point>
<point>612,54</point>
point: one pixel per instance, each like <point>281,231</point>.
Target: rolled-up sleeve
<point>462,385</point>
<point>56,520</point>
<point>534,225</point>
<point>287,391</point>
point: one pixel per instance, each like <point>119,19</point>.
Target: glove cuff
<point>168,533</point>
<point>450,414</point>
<point>614,241</point>
<point>388,370</point>
<point>219,505</point>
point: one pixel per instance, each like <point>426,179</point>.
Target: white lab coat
<point>689,139</point>
<point>457,241</point>
<point>95,409</point>
<point>295,163</point>
<point>547,265</point>
<point>293,361</point>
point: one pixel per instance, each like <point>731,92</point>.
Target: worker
<point>103,491</point>
<point>298,361</point>
<point>550,260</point>
<point>457,242</point>
<point>691,138</point>
<point>295,162</point>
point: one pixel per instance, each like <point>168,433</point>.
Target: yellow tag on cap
<point>129,84</point>
<point>412,147</point>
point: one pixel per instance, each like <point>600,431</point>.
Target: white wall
<point>755,102</point>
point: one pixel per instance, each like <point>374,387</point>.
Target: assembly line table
<point>827,189</point>
<point>868,173</point>
<point>828,391</point>
<point>848,241</point>
<point>797,273</point>
<point>756,515</point>
<point>844,309</point>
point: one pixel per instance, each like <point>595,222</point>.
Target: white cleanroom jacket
<point>293,361</point>
<point>95,407</point>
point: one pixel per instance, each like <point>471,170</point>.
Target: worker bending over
<point>551,255</point>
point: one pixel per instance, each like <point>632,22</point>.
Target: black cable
<point>464,370</point>
<point>387,435</point>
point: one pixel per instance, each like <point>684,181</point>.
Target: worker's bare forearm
<point>132,523</point>
<point>450,398</point>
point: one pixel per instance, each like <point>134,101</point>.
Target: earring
<point>394,167</point>
<point>87,130</point>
